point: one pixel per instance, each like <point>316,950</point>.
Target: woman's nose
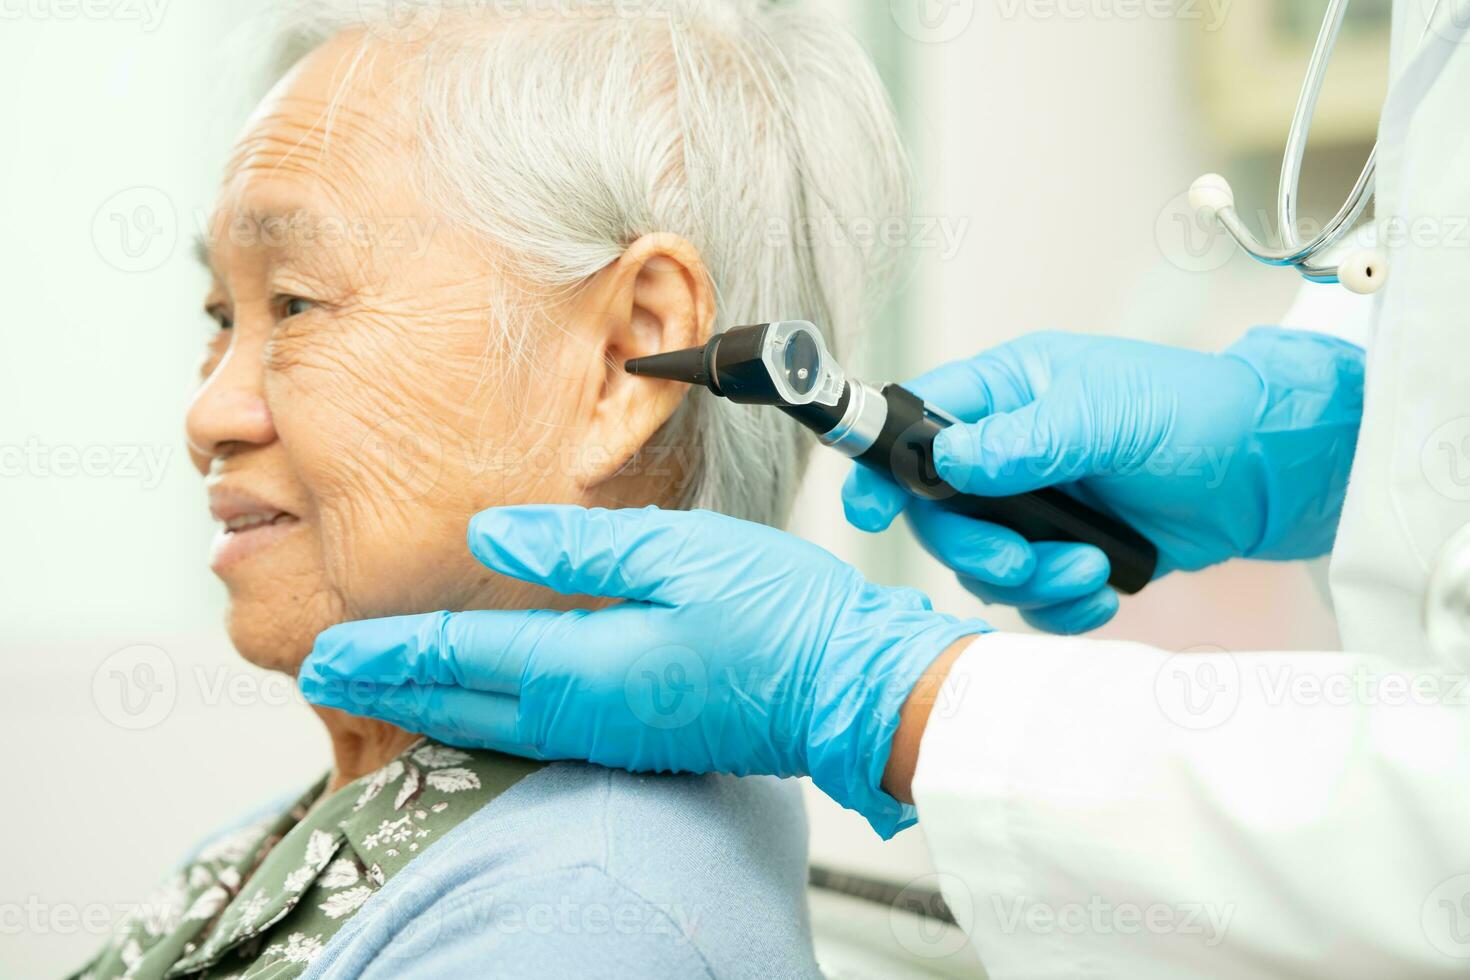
<point>229,411</point>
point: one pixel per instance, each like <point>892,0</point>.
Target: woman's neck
<point>360,745</point>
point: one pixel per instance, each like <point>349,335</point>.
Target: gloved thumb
<point>1013,452</point>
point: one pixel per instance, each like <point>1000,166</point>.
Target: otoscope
<point>787,365</point>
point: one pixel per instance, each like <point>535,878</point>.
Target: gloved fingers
<point>454,715</point>
<point>975,549</point>
<point>1062,573</point>
<point>479,650</point>
<point>648,554</point>
<point>977,386</point>
<point>870,500</point>
<point>1014,452</point>
<point>1077,616</point>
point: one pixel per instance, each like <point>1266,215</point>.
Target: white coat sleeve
<point>1106,809</point>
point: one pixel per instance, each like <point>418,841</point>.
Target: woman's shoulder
<point>676,869</point>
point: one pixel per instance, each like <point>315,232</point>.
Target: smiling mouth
<point>249,522</point>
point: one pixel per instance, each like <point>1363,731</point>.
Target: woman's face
<point>355,407</point>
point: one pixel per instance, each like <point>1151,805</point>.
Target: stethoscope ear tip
<point>1363,271</point>
<point>1211,193</point>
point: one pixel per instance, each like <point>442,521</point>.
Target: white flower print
<point>408,789</point>
<point>298,948</point>
<point>439,756</point>
<point>297,880</point>
<point>345,902</point>
<point>320,847</point>
<point>200,876</point>
<point>377,781</point>
<point>453,780</point>
<point>375,875</point>
<point>209,902</point>
<point>389,832</point>
<point>131,953</point>
<point>339,874</point>
<point>251,908</point>
<point>230,878</point>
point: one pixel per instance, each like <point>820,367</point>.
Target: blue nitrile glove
<point>1243,454</point>
<point>739,649</point>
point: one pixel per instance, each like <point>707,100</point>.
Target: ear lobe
<point>658,297</point>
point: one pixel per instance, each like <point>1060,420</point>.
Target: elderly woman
<point>436,242</point>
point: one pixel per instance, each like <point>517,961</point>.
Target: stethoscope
<point>1362,270</point>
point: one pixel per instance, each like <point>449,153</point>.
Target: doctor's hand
<point>737,648</point>
<point>1209,456</point>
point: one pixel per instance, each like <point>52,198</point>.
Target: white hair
<point>758,131</point>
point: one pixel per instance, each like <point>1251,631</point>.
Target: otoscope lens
<point>802,362</point>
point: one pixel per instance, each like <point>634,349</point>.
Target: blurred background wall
<point>1053,139</point>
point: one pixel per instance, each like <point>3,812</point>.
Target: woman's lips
<point>243,536</point>
<point>248,524</point>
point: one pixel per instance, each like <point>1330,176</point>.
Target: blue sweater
<point>580,871</point>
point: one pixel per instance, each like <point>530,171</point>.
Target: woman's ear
<point>657,297</point>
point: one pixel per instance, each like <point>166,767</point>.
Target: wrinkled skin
<point>360,381</point>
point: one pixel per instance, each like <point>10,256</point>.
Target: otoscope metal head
<point>784,363</point>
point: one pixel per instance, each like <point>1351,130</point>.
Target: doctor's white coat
<point>1103,809</point>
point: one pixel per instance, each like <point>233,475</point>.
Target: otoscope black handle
<point>905,450</point>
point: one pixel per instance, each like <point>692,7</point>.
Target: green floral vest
<point>264,900</point>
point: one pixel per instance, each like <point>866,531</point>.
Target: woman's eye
<point>221,319</point>
<point>295,306</point>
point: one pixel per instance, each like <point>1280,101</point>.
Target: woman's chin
<point>271,635</point>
